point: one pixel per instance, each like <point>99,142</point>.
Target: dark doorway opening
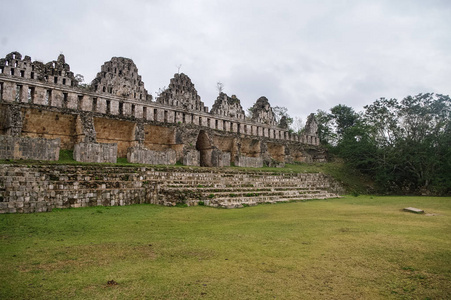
<point>203,145</point>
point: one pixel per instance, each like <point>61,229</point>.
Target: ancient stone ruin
<point>44,109</point>
<point>40,188</point>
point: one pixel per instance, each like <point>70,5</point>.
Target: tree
<point>344,117</point>
<point>220,86</point>
<point>298,125</point>
<point>404,145</point>
<point>281,114</point>
<point>80,82</point>
<point>249,113</point>
<point>331,126</point>
<point>326,132</point>
<point>160,91</point>
<point>80,78</point>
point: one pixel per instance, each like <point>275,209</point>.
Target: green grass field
<point>351,248</point>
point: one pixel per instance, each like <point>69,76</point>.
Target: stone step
<point>176,185</point>
<point>239,189</point>
<point>179,176</point>
<point>271,197</point>
<point>213,183</point>
<point>245,194</point>
<point>235,203</point>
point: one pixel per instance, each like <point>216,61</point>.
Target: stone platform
<point>40,188</point>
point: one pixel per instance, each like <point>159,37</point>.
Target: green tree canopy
<point>404,145</point>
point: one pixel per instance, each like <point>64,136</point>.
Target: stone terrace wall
<point>12,147</point>
<point>39,188</point>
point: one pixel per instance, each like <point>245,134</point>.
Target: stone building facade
<point>114,117</point>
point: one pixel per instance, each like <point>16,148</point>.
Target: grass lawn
<point>351,248</point>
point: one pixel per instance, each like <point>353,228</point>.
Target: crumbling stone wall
<point>50,125</point>
<point>54,72</point>
<point>276,152</point>
<point>44,100</point>
<point>226,144</point>
<point>11,120</point>
<point>13,147</point>
<point>228,106</point>
<point>85,128</point>
<point>182,93</point>
<point>250,147</point>
<point>191,158</point>
<point>119,77</point>
<point>311,126</point>
<point>220,159</point>
<point>112,131</point>
<point>262,112</point>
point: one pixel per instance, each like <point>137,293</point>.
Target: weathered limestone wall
<point>249,162</point>
<point>119,76</point>
<point>39,188</point>
<point>12,147</point>
<point>50,125</point>
<point>226,144</point>
<point>181,92</point>
<point>14,89</point>
<point>95,152</point>
<point>11,120</point>
<point>276,151</point>
<point>159,138</point>
<point>71,128</point>
<point>115,131</point>
<point>250,147</point>
<point>220,159</point>
<point>228,106</point>
<point>45,100</point>
<point>141,155</point>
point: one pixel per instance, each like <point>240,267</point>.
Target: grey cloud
<point>305,55</point>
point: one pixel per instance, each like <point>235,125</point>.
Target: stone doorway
<point>203,145</point>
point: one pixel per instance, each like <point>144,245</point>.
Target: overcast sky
<point>304,55</point>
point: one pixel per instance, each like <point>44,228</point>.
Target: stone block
<point>249,162</point>
<point>414,210</point>
<point>219,158</point>
<point>95,152</point>
<point>143,155</point>
<point>191,158</point>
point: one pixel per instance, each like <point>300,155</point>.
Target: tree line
<point>405,146</point>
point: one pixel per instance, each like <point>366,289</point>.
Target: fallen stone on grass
<point>414,210</point>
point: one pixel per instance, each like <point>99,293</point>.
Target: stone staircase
<point>233,189</point>
<point>40,188</point>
